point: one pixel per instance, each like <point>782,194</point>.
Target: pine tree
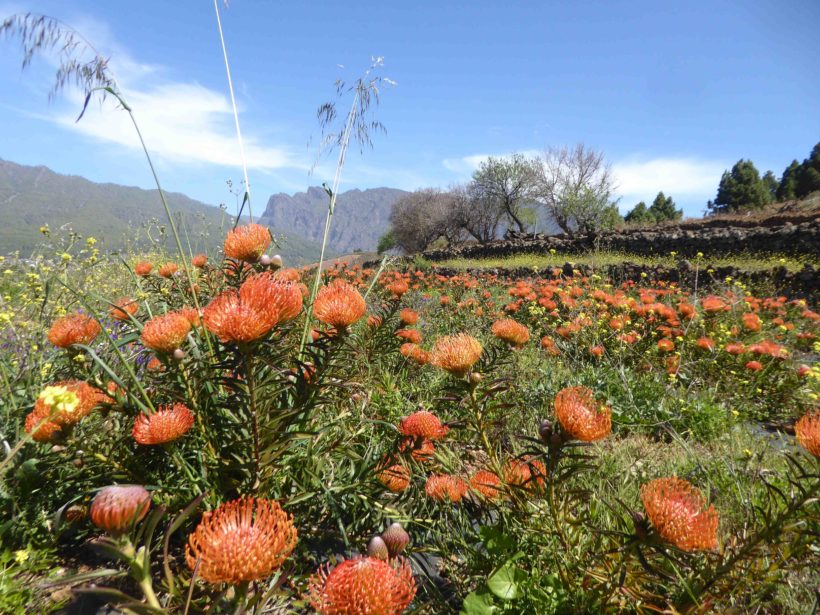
<point>640,214</point>
<point>808,178</point>
<point>741,188</point>
<point>771,185</point>
<point>663,208</point>
<point>787,190</point>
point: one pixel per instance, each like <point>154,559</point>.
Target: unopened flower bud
<point>276,260</point>
<point>475,378</point>
<point>545,430</point>
<point>265,260</point>
<point>179,354</point>
<point>396,539</point>
<point>378,548</point>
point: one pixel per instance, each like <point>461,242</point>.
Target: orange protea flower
<point>528,472</point>
<point>597,351</point>
<point>705,343</point>
<point>73,329</point>
<point>807,430</point>
<point>261,303</point>
<point>165,333</point>
<point>408,317</point>
<point>423,424</point>
<point>421,450</point>
<point>581,416</point>
<point>456,353</point>
<point>60,404</point>
<point>199,261</point>
<point>443,487</point>
<point>712,304</point>
<point>167,424</point>
<point>363,586</point>
<point>117,508</point>
<point>414,352</point>
<point>396,478</point>
<point>752,321</point>
<point>548,344</point>
<point>168,270</point>
<point>770,348</point>
<point>676,510</point>
<point>143,268</point>
<point>486,484</point>
<point>123,308</point>
<point>735,348</point>
<point>339,304</point>
<point>666,345</point>
<point>40,427</point>
<point>242,540</point>
<point>411,335</point>
<point>193,316</point>
<point>510,331</point>
<point>398,288</point>
<point>754,366</point>
<point>247,243</point>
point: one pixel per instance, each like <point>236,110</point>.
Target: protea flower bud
<point>179,354</point>
<point>475,378</point>
<point>378,548</point>
<point>396,539</point>
<point>276,260</point>
<point>265,260</point>
<point>545,430</point>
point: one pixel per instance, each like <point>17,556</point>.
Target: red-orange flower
<point>705,343</point>
<point>415,353</point>
<point>486,484</point>
<point>752,321</point>
<point>408,316</point>
<point>143,268</point>
<point>168,270</point>
<point>123,308</point>
<point>548,344</point>
<point>666,345</point>
<point>60,404</point>
<point>261,303</point>
<point>676,510</point>
<point>247,243</point>
<point>420,450</point>
<point>712,304</point>
<point>527,472</point>
<point>443,487</point>
<point>511,331</point>
<point>167,424</point>
<point>117,508</point>
<point>242,540</point>
<point>754,366</point>
<point>807,430</point>
<point>199,260</point>
<point>396,478</point>
<point>165,333</point>
<point>339,304</point>
<point>411,335</point>
<point>456,353</point>
<point>398,288</point>
<point>581,416</point>
<point>73,329</point>
<point>423,424</point>
<point>363,586</point>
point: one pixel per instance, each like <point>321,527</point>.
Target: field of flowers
<point>195,436</point>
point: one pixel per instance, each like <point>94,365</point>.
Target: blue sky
<point>672,93</point>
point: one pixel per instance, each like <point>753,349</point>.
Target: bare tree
<point>421,217</point>
<point>508,185</point>
<point>472,215</point>
<point>576,186</point>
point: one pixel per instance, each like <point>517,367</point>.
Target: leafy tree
<point>386,242</point>
<point>787,190</point>
<point>741,188</point>
<point>663,208</point>
<point>771,185</point>
<point>508,185</point>
<point>576,186</point>
<point>808,179</point>
<point>639,214</point>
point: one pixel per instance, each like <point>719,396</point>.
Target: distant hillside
<point>117,215</point>
<point>361,217</point>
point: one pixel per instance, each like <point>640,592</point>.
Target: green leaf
<point>495,541</point>
<point>504,581</point>
<point>478,603</point>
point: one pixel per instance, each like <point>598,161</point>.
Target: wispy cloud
<point>684,177</point>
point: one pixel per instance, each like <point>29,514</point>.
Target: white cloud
<point>680,177</point>
<point>465,165</point>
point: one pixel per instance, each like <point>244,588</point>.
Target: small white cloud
<point>679,177</point>
<point>466,165</point>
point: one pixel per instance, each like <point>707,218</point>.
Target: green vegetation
<point>662,210</point>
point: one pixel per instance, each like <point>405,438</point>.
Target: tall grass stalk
<point>247,197</point>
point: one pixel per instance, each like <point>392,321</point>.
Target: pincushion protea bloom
<point>676,510</point>
<point>117,508</point>
<point>511,331</point>
<point>421,450</point>
<point>247,243</point>
<point>528,472</point>
<point>423,424</point>
<point>398,288</point>
<point>123,308</point>
<point>581,416</point>
<point>165,333</point>
<point>408,316</point>
<point>199,261</point>
<point>60,404</point>
<point>396,478</point>
<point>363,586</point>
<point>807,430</point>
<point>168,270</point>
<point>73,329</point>
<point>486,484</point>
<point>167,424</point>
<point>242,540</point>
<point>443,487</point>
<point>456,353</point>
<point>261,303</point>
<point>143,268</point>
<point>339,304</point>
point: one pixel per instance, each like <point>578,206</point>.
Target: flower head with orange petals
<point>396,478</point>
<point>528,472</point>
<point>167,424</point>
<point>423,424</point>
<point>486,484</point>
<point>676,510</point>
<point>363,586</point>
<point>168,270</point>
<point>242,540</point>
<point>143,268</point>
<point>117,508</point>
<point>581,416</point>
<point>408,317</point>
<point>60,404</point>
<point>166,333</point>
<point>123,309</point>
<point>445,487</point>
<point>247,243</point>
<point>339,304</point>
<point>199,261</point>
<point>456,353</point>
<point>73,329</point>
<point>807,430</point>
<point>511,331</point>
